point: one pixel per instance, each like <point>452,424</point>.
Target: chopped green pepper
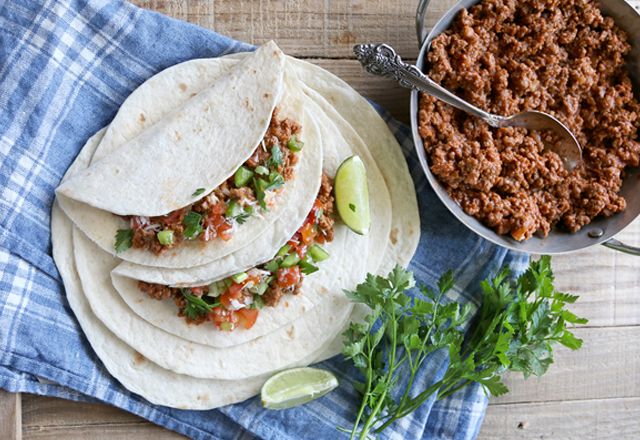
<point>284,250</point>
<point>165,237</point>
<point>234,210</point>
<point>290,260</point>
<point>243,176</point>
<point>294,144</point>
<point>240,277</point>
<point>317,253</point>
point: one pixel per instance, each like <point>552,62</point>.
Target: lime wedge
<point>352,195</point>
<point>296,386</point>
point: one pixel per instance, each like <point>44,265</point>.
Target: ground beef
<point>325,196</point>
<point>271,297</point>
<point>505,56</point>
<point>157,291</point>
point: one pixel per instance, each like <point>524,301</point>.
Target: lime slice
<point>296,386</point>
<point>352,195</point>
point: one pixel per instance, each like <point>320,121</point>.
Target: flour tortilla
<point>337,146</point>
<point>130,368</point>
<point>159,95</point>
<point>146,176</point>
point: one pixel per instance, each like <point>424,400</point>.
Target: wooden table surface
<point>593,393</point>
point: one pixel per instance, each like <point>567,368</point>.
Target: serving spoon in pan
<point>381,59</point>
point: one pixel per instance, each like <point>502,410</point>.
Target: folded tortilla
<point>144,117</point>
<point>206,139</point>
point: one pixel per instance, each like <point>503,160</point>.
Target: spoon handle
<point>381,59</point>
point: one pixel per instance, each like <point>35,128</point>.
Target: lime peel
<point>351,190</point>
<point>296,386</point>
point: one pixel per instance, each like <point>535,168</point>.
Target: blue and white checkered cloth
<point>65,68</point>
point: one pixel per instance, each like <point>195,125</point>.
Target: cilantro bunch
<point>518,324</point>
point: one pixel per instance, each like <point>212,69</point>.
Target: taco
<point>188,189</point>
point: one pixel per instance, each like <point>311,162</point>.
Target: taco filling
<point>235,301</point>
<point>252,188</point>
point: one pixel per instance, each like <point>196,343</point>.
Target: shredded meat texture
<point>325,196</point>
<point>558,56</point>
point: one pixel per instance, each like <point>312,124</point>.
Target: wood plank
<point>51,418</point>
<point>605,367</point>
<point>615,419</point>
<point>322,29</point>
<point>10,416</point>
<point>606,281</point>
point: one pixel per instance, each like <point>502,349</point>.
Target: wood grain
<point>10,416</point>
<point>602,419</point>
<point>52,419</point>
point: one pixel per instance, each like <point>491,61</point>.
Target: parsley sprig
<point>519,322</point>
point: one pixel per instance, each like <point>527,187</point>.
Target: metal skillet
<point>602,229</point>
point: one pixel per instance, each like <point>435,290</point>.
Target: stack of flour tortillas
<point>176,139</point>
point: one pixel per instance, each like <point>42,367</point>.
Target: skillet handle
<point>612,243</point>
<point>420,14</point>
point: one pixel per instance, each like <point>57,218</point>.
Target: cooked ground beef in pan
<point>506,56</point>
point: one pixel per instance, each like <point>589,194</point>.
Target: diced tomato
<point>307,233</point>
<point>214,220</point>
<point>172,216</point>
<point>312,218</point>
<point>235,291</point>
<point>224,230</point>
<point>218,208</point>
<point>288,276</point>
<point>302,251</point>
<point>224,319</point>
<point>247,317</point>
<point>197,291</point>
<point>295,240</point>
<point>320,238</point>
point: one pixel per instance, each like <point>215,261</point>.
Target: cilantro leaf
<point>192,220</point>
<point>198,192</point>
<point>276,157</point>
<point>124,240</point>
<point>195,306</point>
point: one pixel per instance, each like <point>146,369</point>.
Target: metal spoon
<point>381,59</point>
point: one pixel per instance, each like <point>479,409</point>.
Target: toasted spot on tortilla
<point>138,301</point>
<point>286,304</point>
<point>323,290</point>
<point>394,236</point>
<point>266,95</point>
<point>303,309</point>
<point>142,119</point>
<point>138,360</point>
<point>183,87</point>
<point>291,332</point>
